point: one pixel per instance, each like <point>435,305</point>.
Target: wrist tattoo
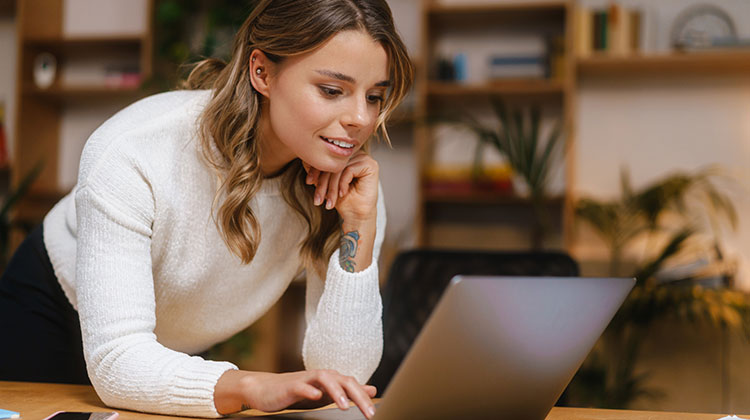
<point>348,250</point>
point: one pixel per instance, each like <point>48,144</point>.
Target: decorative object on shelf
<point>662,213</point>
<point>444,70</point>
<point>700,26</point>
<point>45,70</point>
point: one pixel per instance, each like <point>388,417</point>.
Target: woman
<point>195,209</point>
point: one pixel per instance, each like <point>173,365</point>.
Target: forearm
<point>357,242</point>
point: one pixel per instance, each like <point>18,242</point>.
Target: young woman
<point>195,209</point>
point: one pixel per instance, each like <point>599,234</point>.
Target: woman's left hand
<point>353,192</point>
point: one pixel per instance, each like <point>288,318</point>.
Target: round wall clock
<point>700,26</point>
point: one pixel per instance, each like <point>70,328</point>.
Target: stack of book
<point>614,30</point>
<point>518,67</point>
<point>540,60</point>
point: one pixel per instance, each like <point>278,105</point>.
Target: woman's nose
<point>356,114</point>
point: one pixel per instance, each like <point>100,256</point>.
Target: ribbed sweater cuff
<point>347,290</point>
<point>193,392</point>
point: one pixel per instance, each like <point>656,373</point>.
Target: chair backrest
<point>418,278</point>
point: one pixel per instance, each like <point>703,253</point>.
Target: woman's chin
<point>328,166</point>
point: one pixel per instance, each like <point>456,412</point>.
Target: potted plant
<point>8,204</point>
<point>517,136</point>
<point>608,377</point>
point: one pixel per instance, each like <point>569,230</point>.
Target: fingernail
<point>371,411</point>
<point>329,204</point>
<point>317,200</point>
<point>342,402</point>
<point>341,193</point>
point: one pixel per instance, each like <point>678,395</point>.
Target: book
<point>584,28</point>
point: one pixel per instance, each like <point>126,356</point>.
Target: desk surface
<point>37,401</point>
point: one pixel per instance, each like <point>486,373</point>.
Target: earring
<point>253,59</point>
<point>258,71</point>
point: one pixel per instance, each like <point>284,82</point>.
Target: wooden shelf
<point>83,92</point>
<point>708,62</point>
<point>80,42</point>
<point>482,197</point>
<point>510,87</point>
<point>529,6</point>
<point>470,15</point>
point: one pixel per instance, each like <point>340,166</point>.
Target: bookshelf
<point>41,110</point>
<point>435,95</point>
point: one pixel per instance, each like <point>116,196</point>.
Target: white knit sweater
<point>138,254</point>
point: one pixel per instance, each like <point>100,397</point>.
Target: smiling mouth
<point>339,143</point>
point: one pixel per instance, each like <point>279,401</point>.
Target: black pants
<point>40,335</point>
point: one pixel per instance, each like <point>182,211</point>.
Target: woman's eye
<point>374,99</point>
<point>330,92</point>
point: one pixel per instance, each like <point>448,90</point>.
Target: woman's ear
<point>259,71</point>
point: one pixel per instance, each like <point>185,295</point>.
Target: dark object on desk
<point>418,279</point>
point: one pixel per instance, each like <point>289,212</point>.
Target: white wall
<point>8,75</point>
<point>657,125</point>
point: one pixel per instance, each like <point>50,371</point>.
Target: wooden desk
<point>36,401</point>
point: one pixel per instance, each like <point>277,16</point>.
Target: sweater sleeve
<point>344,315</point>
<point>128,367</point>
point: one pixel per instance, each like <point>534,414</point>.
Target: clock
<point>700,26</point>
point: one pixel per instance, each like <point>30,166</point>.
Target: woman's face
<point>323,105</point>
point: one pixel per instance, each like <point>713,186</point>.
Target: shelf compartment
<point>709,62</point>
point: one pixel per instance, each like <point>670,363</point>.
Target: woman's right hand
<point>239,390</point>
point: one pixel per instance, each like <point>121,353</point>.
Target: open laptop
<point>496,348</point>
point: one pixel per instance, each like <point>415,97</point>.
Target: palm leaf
<point>670,249</point>
<point>23,187</point>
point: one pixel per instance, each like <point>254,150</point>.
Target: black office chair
<point>418,278</point>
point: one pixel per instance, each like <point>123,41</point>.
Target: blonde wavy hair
<point>228,126</point>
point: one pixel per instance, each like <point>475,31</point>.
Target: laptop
<point>496,347</point>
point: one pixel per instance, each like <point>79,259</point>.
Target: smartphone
<point>80,415</point>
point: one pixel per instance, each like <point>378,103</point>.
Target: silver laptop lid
<point>502,347</point>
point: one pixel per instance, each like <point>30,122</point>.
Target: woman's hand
<point>239,390</point>
<point>353,192</point>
